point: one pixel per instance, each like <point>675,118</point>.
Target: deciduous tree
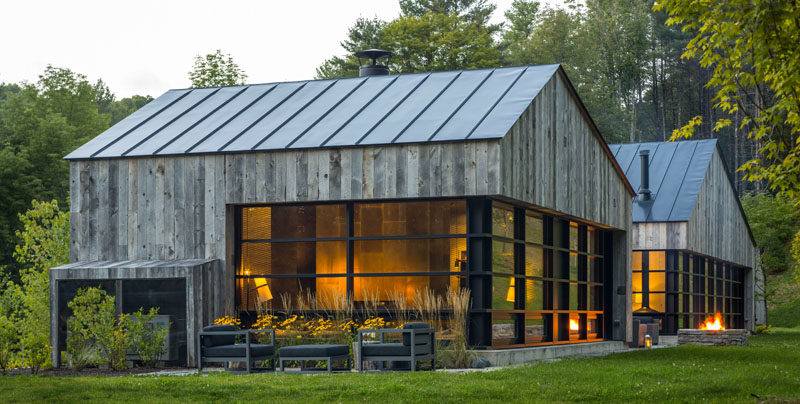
<point>216,69</point>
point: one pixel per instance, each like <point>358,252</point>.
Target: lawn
<point>769,368</point>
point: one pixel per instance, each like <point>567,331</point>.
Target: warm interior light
<point>264,294</point>
<point>713,323</point>
<point>573,325</point>
<point>510,294</point>
<point>648,341</point>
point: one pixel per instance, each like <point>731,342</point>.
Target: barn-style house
<point>693,252</point>
<point>210,201</point>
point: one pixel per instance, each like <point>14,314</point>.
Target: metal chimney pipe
<point>644,189</point>
<point>373,69</point>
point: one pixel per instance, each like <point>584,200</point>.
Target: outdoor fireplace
<point>713,332</point>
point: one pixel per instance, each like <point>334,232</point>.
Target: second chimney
<point>644,189</point>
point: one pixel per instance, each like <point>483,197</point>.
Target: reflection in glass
<point>534,228</point>
<point>502,289</point>
<point>573,236</point>
<point>504,330</point>
<point>502,257</point>
<point>502,220</point>
<point>533,294</point>
<point>533,261</point>
<point>534,329</point>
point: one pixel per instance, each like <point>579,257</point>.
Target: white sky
<point>148,46</point>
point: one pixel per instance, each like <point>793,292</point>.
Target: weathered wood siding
<point>717,227</point>
<point>552,159</point>
<point>659,236</point>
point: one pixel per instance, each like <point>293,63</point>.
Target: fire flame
<point>713,323</point>
<point>573,325</point>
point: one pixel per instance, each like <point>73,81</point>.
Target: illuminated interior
<point>541,277</point>
<point>681,289</point>
<point>299,253</point>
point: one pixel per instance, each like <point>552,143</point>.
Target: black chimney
<point>644,189</point>
<point>373,69</point>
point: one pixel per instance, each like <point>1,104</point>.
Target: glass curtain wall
<point>547,284</point>
<point>683,289</point>
<point>385,255</point>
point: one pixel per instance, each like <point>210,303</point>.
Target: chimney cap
<point>644,152</point>
<point>373,54</point>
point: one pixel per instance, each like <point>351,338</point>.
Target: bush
<point>81,350</point>
<point>8,342</point>
<point>94,312</point>
<point>32,317</point>
<point>148,337</point>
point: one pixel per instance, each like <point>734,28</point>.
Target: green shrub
<point>32,317</point>
<point>147,336</point>
<point>763,329</point>
<point>8,342</point>
<point>81,350</point>
<point>94,311</point>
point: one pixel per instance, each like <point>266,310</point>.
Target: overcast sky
<point>148,46</point>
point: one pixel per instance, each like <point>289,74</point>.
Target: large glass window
<point>546,279</point>
<point>683,289</point>
<point>296,256</point>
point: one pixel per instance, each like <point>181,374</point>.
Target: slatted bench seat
<point>321,352</point>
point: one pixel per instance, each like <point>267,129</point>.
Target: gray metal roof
<point>409,108</point>
<point>677,170</point>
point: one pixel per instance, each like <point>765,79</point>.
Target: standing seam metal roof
<point>375,110</point>
<point>677,171</point>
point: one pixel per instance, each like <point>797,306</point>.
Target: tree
<point>364,34</point>
<point>44,240</point>
<point>39,124</point>
<point>430,35</point>
<point>774,222</point>
<point>119,110</point>
<point>216,69</point>
<point>751,47</point>
<point>521,17</point>
<point>434,42</point>
<point>472,11</point>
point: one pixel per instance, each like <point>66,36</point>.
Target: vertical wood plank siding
<point>717,227</point>
<point>551,159</point>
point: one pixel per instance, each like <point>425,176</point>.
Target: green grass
<point>769,367</point>
<point>783,301</point>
